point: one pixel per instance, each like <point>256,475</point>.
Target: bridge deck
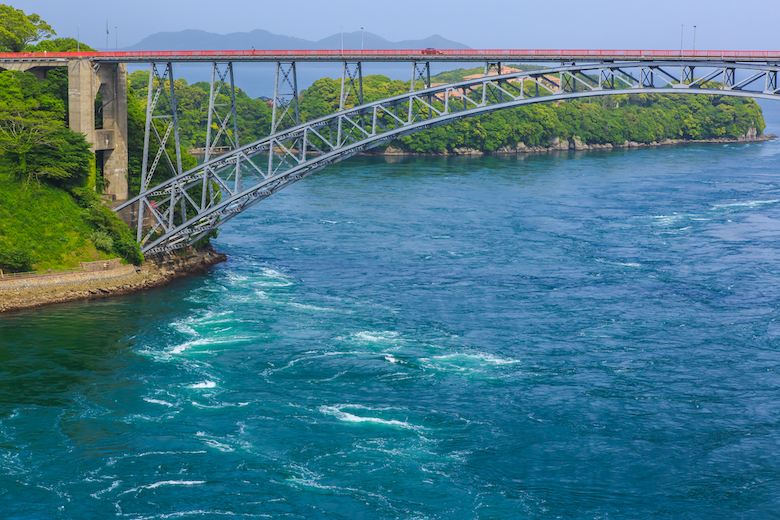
<point>504,55</point>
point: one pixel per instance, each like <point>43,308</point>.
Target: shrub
<point>102,241</point>
<point>15,260</point>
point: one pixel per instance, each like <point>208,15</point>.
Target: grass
<point>47,223</point>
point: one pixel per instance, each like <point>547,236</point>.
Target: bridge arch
<point>186,207</point>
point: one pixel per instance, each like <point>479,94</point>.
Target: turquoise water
<point>562,336</point>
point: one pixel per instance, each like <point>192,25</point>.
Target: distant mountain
<point>261,39</point>
<point>258,79</point>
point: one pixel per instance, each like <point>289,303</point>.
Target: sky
<point>572,24</point>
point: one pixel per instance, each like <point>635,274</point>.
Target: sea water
<point>576,335</point>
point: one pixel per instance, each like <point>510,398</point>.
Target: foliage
<point>34,142</point>
<point>15,260</point>
<point>642,118</point>
<point>60,45</point>
<point>102,240</point>
<point>18,29</point>
<point>44,225</point>
<point>192,103</point>
<point>110,233</point>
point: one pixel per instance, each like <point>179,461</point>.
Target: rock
<point>466,151</point>
<point>391,150</point>
<point>577,144</point>
<point>558,144</point>
<point>750,135</point>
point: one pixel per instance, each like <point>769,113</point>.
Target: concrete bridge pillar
<point>85,80</point>
<point>113,136</point>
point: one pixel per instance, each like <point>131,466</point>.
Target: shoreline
<point>575,145</point>
<point>157,271</point>
<point>160,270</point>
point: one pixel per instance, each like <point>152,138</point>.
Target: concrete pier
<point>85,80</point>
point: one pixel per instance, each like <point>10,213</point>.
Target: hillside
<point>43,227</point>
<point>50,214</point>
<point>261,39</point>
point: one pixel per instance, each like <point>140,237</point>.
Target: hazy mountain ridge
<point>193,39</point>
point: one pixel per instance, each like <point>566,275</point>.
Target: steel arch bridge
<point>189,205</point>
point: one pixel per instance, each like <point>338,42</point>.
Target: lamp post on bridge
<point>694,40</point>
<point>361,39</point>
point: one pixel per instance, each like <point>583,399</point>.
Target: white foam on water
<point>472,359</point>
<point>339,413</point>
<point>749,204</point>
<point>308,307</point>
<point>175,483</point>
<point>219,446</point>
<point>374,336</point>
<point>329,221</point>
<point>237,278</point>
<point>271,283</point>
<point>209,342</point>
<point>165,483</point>
<point>391,358</point>
<point>204,384</point>
<point>272,278</point>
<point>666,220</point>
<point>112,487</point>
<point>159,401</point>
<point>621,264</point>
<point>213,443</point>
<point>202,513</point>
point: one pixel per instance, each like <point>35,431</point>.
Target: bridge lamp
<point>361,39</point>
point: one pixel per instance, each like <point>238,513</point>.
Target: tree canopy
<point>18,29</point>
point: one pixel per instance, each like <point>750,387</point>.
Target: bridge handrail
<point>431,54</point>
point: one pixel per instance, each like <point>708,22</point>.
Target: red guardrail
<point>476,53</point>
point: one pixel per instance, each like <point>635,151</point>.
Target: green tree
<point>17,29</point>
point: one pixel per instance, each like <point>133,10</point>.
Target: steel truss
<point>302,149</point>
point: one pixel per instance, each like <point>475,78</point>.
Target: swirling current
<point>583,335</point>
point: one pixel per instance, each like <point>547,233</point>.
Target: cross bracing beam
<point>366,126</point>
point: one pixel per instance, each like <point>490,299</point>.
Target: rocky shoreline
<point>576,145</point>
<point>26,293</point>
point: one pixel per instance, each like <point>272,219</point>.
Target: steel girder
<point>299,151</point>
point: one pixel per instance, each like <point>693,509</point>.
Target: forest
<point>643,118</point>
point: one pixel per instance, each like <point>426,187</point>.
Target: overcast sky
<point>604,24</point>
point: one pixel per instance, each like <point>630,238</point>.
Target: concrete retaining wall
<point>59,280</point>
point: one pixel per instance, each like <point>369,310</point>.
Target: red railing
<point>428,53</point>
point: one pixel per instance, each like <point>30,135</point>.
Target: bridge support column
<point>81,98</point>
<point>113,91</point>
<point>84,83</point>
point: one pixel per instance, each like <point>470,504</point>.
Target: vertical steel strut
<point>285,105</point>
<point>286,111</point>
<point>223,113</point>
<point>351,82</point>
<point>421,72</point>
<point>156,91</point>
